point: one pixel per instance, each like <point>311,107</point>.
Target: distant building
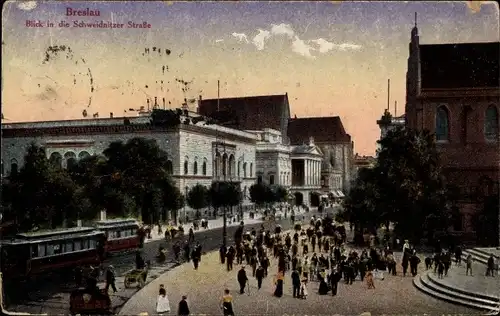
<point>453,91</point>
<point>335,144</point>
<point>362,162</point>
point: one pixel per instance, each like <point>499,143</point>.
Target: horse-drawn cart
<point>137,277</point>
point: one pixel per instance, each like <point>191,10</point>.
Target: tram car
<point>121,234</point>
<point>33,253</point>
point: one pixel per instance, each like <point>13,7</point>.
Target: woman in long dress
<point>162,303</point>
<point>227,303</point>
<point>279,279</point>
<point>369,279</point>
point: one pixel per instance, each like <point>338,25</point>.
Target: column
<point>316,173</point>
<point>306,171</point>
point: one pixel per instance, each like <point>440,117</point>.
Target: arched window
<point>239,169</point>
<point>271,179</point>
<point>224,165</point>
<point>259,179</point>
<point>442,124</point>
<point>491,123</point>
<point>186,166</point>
<point>251,169</point>
<point>83,155</point>
<point>231,165</point>
<point>244,170</point>
<point>13,167</point>
<point>204,167</point>
<point>70,158</point>
<point>216,165</point>
<point>56,159</point>
<point>169,166</point>
<point>195,167</point>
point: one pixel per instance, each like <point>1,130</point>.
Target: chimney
<point>148,103</point>
<point>111,114</point>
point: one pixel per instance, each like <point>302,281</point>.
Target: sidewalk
<point>212,224</point>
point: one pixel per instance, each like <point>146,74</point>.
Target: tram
<point>37,252</point>
<point>121,234</point>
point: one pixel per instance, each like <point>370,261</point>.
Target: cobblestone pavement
<point>50,294</point>
<point>393,295</point>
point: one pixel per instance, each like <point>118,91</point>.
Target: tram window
<point>78,244</point>
<point>34,251</point>
<point>68,246</point>
<point>85,243</point>
<point>118,234</point>
<point>93,244</point>
<point>50,250</point>
<point>125,233</point>
<point>57,249</point>
<point>41,250</point>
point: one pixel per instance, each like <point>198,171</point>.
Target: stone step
<point>480,254</point>
<point>485,253</point>
<point>435,280</point>
<point>422,284</point>
<point>474,257</point>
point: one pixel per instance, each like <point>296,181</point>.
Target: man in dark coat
<point>183,309</point>
<point>222,253</point>
<point>242,279</point>
<point>296,283</point>
<point>414,261</point>
<point>110,279</point>
<point>230,258</point>
<point>335,277</point>
<point>259,275</point>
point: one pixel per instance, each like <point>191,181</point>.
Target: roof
<point>466,65</point>
<point>322,129</point>
<point>248,113</point>
<point>306,149</point>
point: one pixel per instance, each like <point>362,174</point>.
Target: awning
<point>335,194</point>
<point>340,193</point>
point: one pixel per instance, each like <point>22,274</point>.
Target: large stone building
<point>198,153</point>
<point>453,91</point>
<point>334,143</point>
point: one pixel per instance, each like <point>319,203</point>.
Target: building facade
<point>458,101</point>
<point>334,144</point>
<point>272,159</point>
<point>362,162</point>
<point>198,153</point>
<point>306,173</point>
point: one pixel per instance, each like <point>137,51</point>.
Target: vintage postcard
<point>250,158</point>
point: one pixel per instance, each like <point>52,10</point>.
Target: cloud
<point>325,46</point>
<point>242,37</point>
<point>260,39</point>
<point>302,48</point>
<point>282,29</point>
<point>27,5</point>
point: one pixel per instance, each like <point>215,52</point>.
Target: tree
<point>225,194</point>
<point>198,198</point>
<point>280,193</point>
<point>410,190</point>
<point>138,169</point>
<point>261,194</point>
<point>41,195</point>
<point>173,201</point>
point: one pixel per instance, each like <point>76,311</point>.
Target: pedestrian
<point>458,255</point>
<point>242,279</point>
<point>414,261</point>
<point>369,280</point>
<point>279,279</point>
<point>259,275</point>
<point>468,264</point>
<point>295,283</point>
<point>110,279</point>
<point>335,277</point>
<point>183,308</point>
<point>227,303</point>
<point>490,266</point>
<point>303,289</point>
<point>162,303</point>
<point>222,254</point>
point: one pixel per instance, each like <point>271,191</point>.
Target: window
<point>195,168</point>
<point>50,250</point>
<point>442,127</point>
<point>491,124</point>
<point>239,169</point>
<point>186,167</point>
<point>204,167</point>
<point>86,243</point>
<point>271,179</point>
<point>13,167</point>
<point>244,170</point>
<point>41,250</point>
<point>78,244</point>
<point>259,179</point>
<point>169,167</point>
<point>68,246</point>
<point>93,244</point>
<point>251,169</point>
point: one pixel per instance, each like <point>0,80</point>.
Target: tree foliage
<point>405,187</point>
<point>225,193</point>
<point>130,178</point>
<point>262,193</point>
<point>198,197</point>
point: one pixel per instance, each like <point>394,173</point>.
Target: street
<point>50,293</point>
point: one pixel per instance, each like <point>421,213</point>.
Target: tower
<point>413,77</point>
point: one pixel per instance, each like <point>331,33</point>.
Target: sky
<point>332,58</point>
